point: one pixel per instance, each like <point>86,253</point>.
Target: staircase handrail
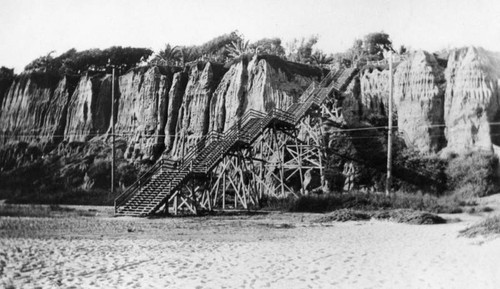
<point>203,142</point>
<point>189,159</point>
<point>122,198</point>
<point>334,80</point>
<point>308,92</point>
<point>283,115</point>
<point>235,133</point>
<point>329,77</point>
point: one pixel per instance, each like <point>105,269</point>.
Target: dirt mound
<point>486,227</point>
<point>409,217</point>
<point>343,215</point>
<point>399,216</point>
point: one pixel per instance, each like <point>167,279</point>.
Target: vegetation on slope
<point>487,227</point>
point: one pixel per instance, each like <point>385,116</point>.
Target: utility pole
<point>113,131</point>
<point>388,183</point>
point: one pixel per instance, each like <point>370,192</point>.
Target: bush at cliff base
<point>414,171</point>
<point>486,227</point>
<point>78,175</point>
<point>407,216</point>
<point>473,174</point>
<point>369,202</point>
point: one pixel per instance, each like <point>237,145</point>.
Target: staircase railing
<point>193,152</point>
<point>216,144</point>
<point>137,185</point>
<point>232,134</point>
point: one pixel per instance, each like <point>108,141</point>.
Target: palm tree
<point>320,58</point>
<point>188,54</point>
<point>238,48</point>
<point>170,55</point>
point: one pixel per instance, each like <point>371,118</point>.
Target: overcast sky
<point>31,28</point>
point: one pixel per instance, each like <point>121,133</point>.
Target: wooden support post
<point>261,169</point>
<point>223,190</point>
<point>113,133</point>
<point>194,200</point>
<point>320,155</point>
<point>299,156</point>
<point>175,205</point>
<point>388,183</point>
<point>282,169</point>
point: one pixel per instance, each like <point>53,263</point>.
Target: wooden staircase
<point>158,185</point>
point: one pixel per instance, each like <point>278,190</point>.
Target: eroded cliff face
<point>419,96</point>
<point>193,118</point>
<point>261,84</point>
<point>374,86</point>
<point>89,109</point>
<point>175,96</point>
<point>168,109</point>
<point>229,97</point>
<point>456,107</point>
<point>142,110</point>
<point>5,84</point>
<point>34,109</point>
<point>472,100</point>
<point>157,109</point>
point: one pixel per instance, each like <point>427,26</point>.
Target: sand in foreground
<point>273,251</point>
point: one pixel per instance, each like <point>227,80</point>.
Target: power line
<point>376,128</point>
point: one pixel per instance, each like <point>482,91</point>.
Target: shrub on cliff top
<point>75,62</point>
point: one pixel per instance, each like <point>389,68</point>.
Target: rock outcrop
<point>89,109</point>
<point>167,109</point>
<point>5,84</point>
<point>142,110</point>
<point>262,84</point>
<point>156,108</point>
<point>175,96</point>
<point>454,106</point>
<point>419,97</point>
<point>374,93</point>
<point>472,100</point>
<point>193,119</point>
<point>34,109</point>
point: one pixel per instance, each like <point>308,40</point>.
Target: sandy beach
<point>276,250</point>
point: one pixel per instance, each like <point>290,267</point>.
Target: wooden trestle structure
<point>256,158</point>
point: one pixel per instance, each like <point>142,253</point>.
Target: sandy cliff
<point>89,109</point>
<point>260,83</point>
<point>193,115</point>
<point>168,109</point>
<point>419,97</point>
<point>34,109</point>
<point>142,110</point>
<point>472,100</point>
<point>453,105</point>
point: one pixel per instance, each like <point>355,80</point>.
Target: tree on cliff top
<point>239,48</point>
<point>376,43</point>
<point>301,50</point>
<point>170,55</point>
<point>215,49</point>
<point>212,50</point>
<point>270,46</point>
<point>320,58</point>
<point>97,60</point>
<point>370,48</point>
<point>6,73</point>
<point>74,62</point>
<point>42,63</point>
